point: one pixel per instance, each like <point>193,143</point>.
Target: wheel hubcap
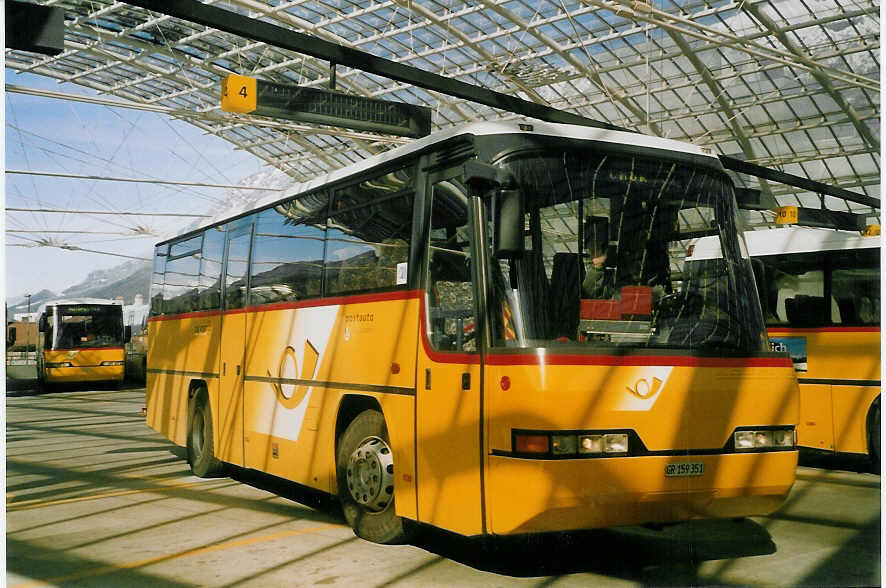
<point>370,473</point>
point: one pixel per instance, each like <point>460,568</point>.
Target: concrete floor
<point>95,498</point>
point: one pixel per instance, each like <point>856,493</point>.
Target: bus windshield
<point>606,239</point>
<point>87,326</point>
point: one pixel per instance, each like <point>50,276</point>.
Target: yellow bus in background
<point>80,340</point>
<point>487,331</point>
<point>821,300</point>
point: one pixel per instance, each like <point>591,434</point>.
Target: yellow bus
<point>485,331</point>
<point>821,300</point>
<point>81,340</point>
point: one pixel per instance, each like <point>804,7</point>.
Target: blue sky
<point>44,134</point>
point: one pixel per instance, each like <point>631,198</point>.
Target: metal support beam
<point>243,26</point>
<point>751,169</point>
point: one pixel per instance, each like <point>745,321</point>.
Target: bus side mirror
<point>508,224</point>
<point>508,215</point>
<point>127,333</point>
<point>10,337</point>
<point>41,325</point>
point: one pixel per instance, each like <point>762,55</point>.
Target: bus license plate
<point>690,468</point>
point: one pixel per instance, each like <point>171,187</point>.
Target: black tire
<point>364,467</point>
<point>874,436</point>
<point>201,451</point>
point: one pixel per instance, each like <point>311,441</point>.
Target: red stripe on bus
<point>314,302</point>
<point>636,360</point>
<point>185,315</point>
<point>338,300</point>
<point>779,330</point>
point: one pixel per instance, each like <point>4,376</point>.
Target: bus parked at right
<point>820,293</point>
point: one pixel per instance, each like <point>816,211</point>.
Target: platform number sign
<point>244,95</point>
<point>238,94</point>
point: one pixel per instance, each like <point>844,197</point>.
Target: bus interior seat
<point>806,311</point>
<point>567,276</point>
<point>848,312</point>
<point>535,290</point>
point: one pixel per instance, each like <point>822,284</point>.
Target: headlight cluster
<point>112,363</point>
<point>765,439</point>
<point>571,444</point>
<point>58,364</point>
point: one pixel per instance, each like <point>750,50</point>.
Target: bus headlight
<point>112,363</point>
<point>571,444</point>
<point>784,438</point>
<point>765,439</point>
<point>615,443</point>
<point>58,364</point>
<point>590,444</point>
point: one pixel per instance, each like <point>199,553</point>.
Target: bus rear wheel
<point>201,450</point>
<point>365,474</point>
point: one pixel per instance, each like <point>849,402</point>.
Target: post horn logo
<point>643,389</point>
<point>290,389</point>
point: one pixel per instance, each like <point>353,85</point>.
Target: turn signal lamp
<point>531,443</point>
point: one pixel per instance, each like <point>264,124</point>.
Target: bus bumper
<point>105,373</point>
<point>530,496</point>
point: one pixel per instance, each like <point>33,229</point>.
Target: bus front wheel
<point>201,451</point>
<point>365,474</point>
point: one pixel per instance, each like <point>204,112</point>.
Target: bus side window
<point>239,237</point>
<point>368,234</point>
<point>451,321</point>
<point>209,281</point>
<point>287,254</point>
<point>157,279</point>
<point>182,276</point>
<point>856,284</point>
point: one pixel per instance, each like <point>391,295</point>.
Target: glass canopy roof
<point>788,84</point>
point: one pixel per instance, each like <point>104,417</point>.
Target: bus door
<point>233,340</point>
<point>448,383</point>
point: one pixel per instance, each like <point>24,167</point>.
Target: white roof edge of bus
<point>797,239</point>
<point>476,129</point>
<point>786,240</point>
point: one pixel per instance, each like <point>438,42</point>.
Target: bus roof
<point>787,240</point>
<point>796,239</point>
<point>528,127</point>
<point>73,301</point>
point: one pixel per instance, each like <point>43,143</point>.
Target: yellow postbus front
<point>81,341</point>
<point>491,332</point>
